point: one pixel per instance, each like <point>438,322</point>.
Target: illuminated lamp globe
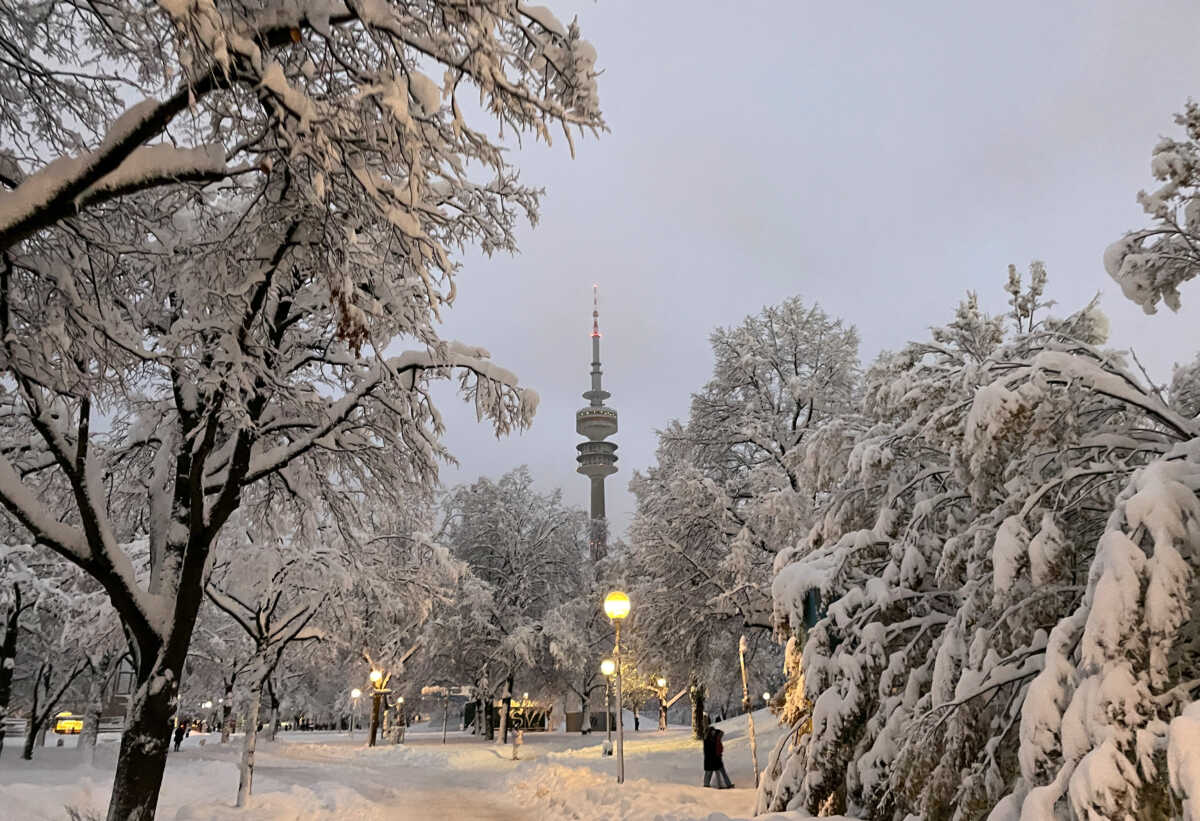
<point>766,696</point>
<point>607,667</point>
<point>616,605</point>
<point>376,677</point>
<point>355,693</point>
<point>662,682</point>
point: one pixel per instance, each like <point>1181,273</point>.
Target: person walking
<point>179,731</point>
<point>714,762</point>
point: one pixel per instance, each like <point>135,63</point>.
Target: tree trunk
<point>227,712</point>
<point>246,780</point>
<point>91,715</point>
<point>696,692</point>
<point>585,712</point>
<point>36,709</point>
<point>8,657</point>
<point>147,737</point>
<point>274,726</point>
<point>506,703</point>
<point>144,744</point>
<point>488,726</point>
<point>31,732</point>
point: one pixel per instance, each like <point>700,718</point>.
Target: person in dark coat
<point>179,731</point>
<point>714,759</point>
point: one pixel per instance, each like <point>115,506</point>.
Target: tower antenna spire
<point>596,309</point>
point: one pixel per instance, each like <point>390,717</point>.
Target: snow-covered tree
<point>218,268</point>
<point>579,636</point>
<point>977,475</point>
<point>527,554</point>
<point>16,576</point>
<point>726,493</point>
<point>65,630</point>
<point>1151,263</point>
<point>1108,727</point>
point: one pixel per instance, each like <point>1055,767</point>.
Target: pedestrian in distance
<point>714,761</point>
<point>179,731</point>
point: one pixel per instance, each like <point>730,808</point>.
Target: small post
<point>608,710</point>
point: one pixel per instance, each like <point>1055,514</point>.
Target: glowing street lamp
<point>766,696</point>
<point>355,695</point>
<point>616,607</point>
<point>607,668</point>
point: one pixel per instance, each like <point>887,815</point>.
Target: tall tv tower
<point>597,458</point>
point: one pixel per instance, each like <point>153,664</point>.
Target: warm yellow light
<point>376,676</point>
<point>607,667</point>
<point>616,605</point>
<point>766,696</point>
<point>401,699</point>
<point>355,693</point>
<point>525,697</point>
<point>662,682</point>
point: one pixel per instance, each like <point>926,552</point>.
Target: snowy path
<point>417,781</point>
<point>324,776</point>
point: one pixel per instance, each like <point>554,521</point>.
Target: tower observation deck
<point>596,421</point>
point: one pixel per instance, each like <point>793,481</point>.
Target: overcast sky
<point>878,158</point>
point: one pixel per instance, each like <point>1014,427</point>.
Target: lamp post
<point>616,607</point>
<point>662,703</point>
<point>355,695</point>
<point>607,668</point>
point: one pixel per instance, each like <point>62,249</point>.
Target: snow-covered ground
<point>326,775</point>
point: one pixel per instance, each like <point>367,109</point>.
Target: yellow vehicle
<point>65,723</point>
